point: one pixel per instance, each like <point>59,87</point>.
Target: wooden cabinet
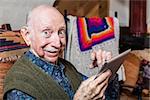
<point>138,17</point>
<point>86,8</point>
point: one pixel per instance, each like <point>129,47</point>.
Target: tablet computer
<point>114,64</point>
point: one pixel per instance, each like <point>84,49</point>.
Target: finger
<point>91,66</point>
<point>98,98</point>
<point>88,87</point>
<point>99,57</point>
<point>94,64</point>
<point>93,55</point>
<point>108,55</point>
<point>103,91</point>
<point>92,84</point>
<point>99,92</point>
<point>103,97</point>
<point>100,95</point>
<point>89,80</point>
<point>104,57</point>
<point>100,87</point>
<point>94,60</point>
<point>102,77</point>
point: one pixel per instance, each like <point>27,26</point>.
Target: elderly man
<point>41,74</point>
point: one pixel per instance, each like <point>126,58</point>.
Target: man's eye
<point>47,34</point>
<point>61,33</point>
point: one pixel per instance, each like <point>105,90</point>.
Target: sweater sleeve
<point>84,77</point>
<point>18,95</point>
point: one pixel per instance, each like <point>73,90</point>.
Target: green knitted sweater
<point>27,77</point>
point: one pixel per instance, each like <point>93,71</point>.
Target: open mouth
<point>51,53</point>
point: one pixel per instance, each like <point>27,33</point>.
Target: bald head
<point>43,10</point>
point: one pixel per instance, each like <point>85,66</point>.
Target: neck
<point>34,52</point>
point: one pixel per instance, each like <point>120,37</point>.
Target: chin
<point>51,59</point>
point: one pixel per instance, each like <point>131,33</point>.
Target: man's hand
<point>99,57</point>
<point>93,89</point>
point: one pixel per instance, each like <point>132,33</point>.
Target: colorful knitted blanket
<point>93,31</point>
<point>86,35</point>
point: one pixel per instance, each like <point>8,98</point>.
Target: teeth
<point>51,50</point>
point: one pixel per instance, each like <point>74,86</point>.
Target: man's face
<point>48,36</point>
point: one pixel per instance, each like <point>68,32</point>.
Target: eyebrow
<point>50,28</point>
<point>46,29</point>
<point>63,27</point>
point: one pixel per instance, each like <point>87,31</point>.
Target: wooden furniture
<point>86,8</point>
<point>138,17</point>
<point>132,68</point>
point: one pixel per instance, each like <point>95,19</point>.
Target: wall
<point>15,11</point>
<point>122,9</point>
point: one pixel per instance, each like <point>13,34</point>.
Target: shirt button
<point>56,73</point>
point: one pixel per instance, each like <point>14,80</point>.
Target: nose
<point>56,40</point>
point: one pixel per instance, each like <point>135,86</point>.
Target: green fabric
<point>27,77</point>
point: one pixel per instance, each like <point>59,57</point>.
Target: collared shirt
<point>54,71</point>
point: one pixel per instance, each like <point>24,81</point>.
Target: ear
<point>26,35</point>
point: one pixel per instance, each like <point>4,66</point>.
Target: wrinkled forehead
<point>46,17</point>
